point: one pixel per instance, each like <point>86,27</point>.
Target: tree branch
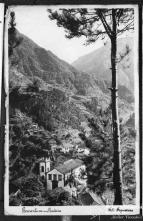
<point>104,22</point>
<point>127,27</point>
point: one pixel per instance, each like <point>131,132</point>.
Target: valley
<point>62,112</point>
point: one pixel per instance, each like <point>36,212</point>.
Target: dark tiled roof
<point>97,199</point>
<point>86,199</point>
<point>69,165</point>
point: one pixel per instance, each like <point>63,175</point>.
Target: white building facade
<point>58,177</point>
<point>54,179</point>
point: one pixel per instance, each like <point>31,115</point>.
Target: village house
<point>82,150</point>
<point>66,147</point>
<point>58,176</point>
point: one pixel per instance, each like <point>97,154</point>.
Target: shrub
<point>30,201</point>
<point>14,201</point>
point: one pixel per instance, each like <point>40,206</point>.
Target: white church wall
<point>57,173</point>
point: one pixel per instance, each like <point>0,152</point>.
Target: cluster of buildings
<point>58,176</point>
<point>66,147</point>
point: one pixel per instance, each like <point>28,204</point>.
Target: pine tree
<point>94,24</point>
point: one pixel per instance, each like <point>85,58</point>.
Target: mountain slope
<point>98,63</point>
<point>32,60</point>
<point>29,61</point>
<point>50,105</point>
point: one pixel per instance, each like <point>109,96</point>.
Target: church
<point>58,176</point>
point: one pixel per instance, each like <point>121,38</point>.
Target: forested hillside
<point>52,102</point>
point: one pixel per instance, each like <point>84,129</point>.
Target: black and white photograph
<point>72,138</point>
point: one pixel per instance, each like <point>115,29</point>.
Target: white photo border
<point>74,210</point>
<point>1,49</point>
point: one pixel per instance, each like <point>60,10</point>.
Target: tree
<point>94,24</point>
<point>65,198</point>
<point>13,39</point>
<point>99,162</point>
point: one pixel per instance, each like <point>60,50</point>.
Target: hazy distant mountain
<point>97,63</point>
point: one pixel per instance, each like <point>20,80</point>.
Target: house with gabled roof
<point>59,175</point>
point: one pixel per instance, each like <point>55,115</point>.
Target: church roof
<point>69,165</point>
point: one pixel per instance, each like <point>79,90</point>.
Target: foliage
<point>99,166</point>
<point>87,142</point>
<point>13,40</point>
<point>29,192</point>
<point>31,186</point>
<point>99,162</point>
<point>33,103</point>
<point>60,197</point>
<point>30,201</point>
<point>27,145</point>
<point>34,86</point>
<point>14,200</point>
<point>92,23</point>
<point>65,198</point>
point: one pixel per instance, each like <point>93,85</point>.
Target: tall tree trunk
<point>117,170</point>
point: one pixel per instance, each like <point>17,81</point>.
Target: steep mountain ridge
<point>97,63</point>
<point>30,62</point>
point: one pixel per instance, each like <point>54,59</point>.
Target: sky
<point>35,23</point>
